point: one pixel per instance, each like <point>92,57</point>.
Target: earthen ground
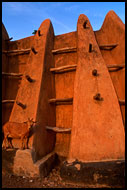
<point>53,180</point>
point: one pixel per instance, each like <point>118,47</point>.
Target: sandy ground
<point>53,180</point>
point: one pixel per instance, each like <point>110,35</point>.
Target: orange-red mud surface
<point>97,127</point>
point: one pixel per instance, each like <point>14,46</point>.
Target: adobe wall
<point>64,85</point>
<point>17,64</point>
<point>14,64</point>
<point>44,141</point>
<point>5,36</point>
<point>97,129</point>
<point>4,58</point>
<point>35,95</point>
<point>113,32</point>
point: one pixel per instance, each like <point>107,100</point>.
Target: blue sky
<point>22,18</point>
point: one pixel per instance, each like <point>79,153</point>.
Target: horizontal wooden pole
<point>58,129</point>
<point>8,101</point>
<point>63,69</point>
<point>17,51</point>
<point>64,100</point>
<point>107,46</point>
<point>12,74</point>
<point>64,103</point>
<point>16,54</point>
<point>64,50</point>
<point>121,102</point>
<point>116,66</point>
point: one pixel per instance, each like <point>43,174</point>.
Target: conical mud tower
<point>73,85</point>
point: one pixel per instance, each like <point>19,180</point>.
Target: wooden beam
<point>8,101</point>
<point>64,101</point>
<point>64,50</point>
<point>12,74</point>
<point>17,51</point>
<point>85,24</point>
<point>58,129</point>
<point>115,67</point>
<point>29,78</point>
<point>90,48</point>
<point>62,69</point>
<point>33,50</point>
<point>23,106</point>
<point>8,39</point>
<point>121,102</point>
<point>107,46</point>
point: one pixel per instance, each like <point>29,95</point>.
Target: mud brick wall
<point>64,85</point>
<point>96,127</point>
<point>113,32</point>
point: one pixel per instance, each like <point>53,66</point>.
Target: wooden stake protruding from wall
<point>12,74</point>
<point>90,48</point>
<point>7,40</point>
<point>108,46</point>
<point>8,101</point>
<point>39,33</point>
<point>29,78</point>
<point>64,50</point>
<point>33,50</point>
<point>122,102</point>
<point>59,129</point>
<point>85,24</point>
<point>95,72</point>
<point>23,106</point>
<point>98,97</point>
